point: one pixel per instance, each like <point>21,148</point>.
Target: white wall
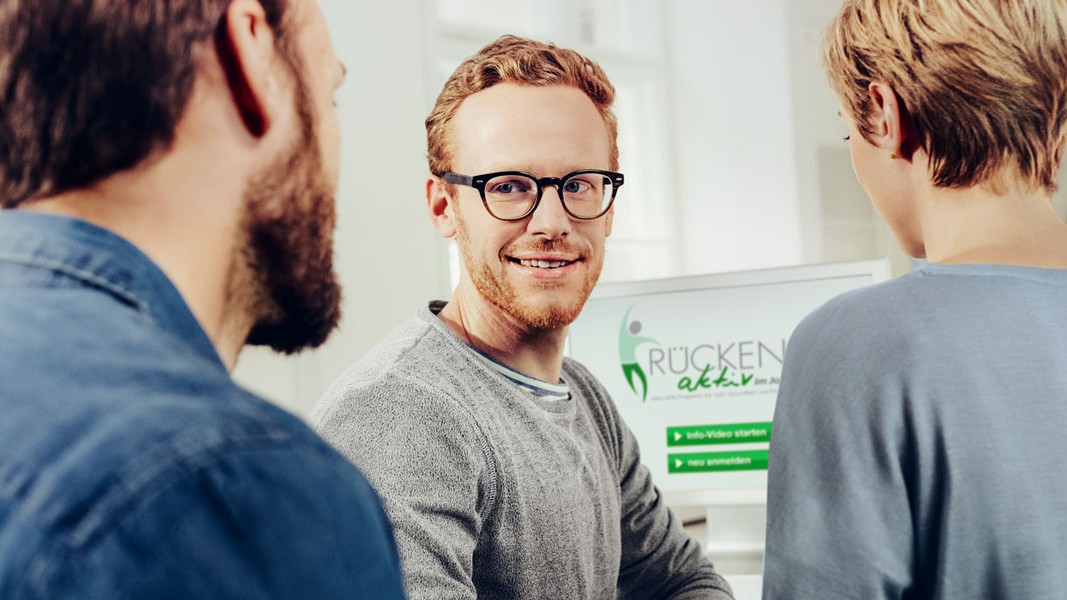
<point>747,110</point>
<point>734,134</point>
<point>749,144</point>
<point>814,107</point>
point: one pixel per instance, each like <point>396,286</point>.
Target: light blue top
<point>919,441</point>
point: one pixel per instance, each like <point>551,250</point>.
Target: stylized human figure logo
<point>628,343</point>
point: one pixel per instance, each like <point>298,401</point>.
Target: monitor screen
<point>693,365</point>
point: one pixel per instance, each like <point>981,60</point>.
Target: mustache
<point>561,246</point>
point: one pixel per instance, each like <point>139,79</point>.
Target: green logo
<point>629,340</point>
<point>718,368</point>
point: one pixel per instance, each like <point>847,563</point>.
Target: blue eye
<point>509,186</point>
<point>577,186</point>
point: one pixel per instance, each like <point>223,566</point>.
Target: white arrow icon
<point>677,463</point>
<point>677,436</point>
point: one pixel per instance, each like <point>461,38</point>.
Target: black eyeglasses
<point>512,195</point>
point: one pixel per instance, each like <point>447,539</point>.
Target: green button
<point>707,435</point>
<point>707,462</point>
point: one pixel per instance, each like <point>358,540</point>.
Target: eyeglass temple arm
<point>457,179</point>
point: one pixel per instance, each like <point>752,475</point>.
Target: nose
<point>550,219</point>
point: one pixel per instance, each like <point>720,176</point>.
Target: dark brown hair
<point>89,88</point>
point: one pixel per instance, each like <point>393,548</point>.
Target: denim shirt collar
<point>105,261</point>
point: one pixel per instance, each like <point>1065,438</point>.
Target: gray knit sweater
<point>495,493</point>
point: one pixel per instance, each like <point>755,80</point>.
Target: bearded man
<point>505,468</point>
<point>167,172</point>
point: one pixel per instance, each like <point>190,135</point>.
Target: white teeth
<point>543,264</point>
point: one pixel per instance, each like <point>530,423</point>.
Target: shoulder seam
<point>483,442</point>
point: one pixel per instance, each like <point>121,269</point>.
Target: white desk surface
<point>746,587</point>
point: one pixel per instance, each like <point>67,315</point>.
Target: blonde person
<point>505,467</point>
<point>919,435</point>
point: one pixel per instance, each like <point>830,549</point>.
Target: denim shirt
<point>132,466</point>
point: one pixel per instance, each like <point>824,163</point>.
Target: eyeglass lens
<point>585,195</point>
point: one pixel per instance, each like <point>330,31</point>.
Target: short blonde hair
<point>512,59</point>
<point>984,81</point>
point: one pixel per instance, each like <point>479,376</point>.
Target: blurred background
<point>729,140</point>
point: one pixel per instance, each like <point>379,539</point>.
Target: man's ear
<point>439,201</point>
<point>608,219</point>
<point>245,45</point>
<point>893,129</point>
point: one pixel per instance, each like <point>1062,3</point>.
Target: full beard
<point>287,252</point>
<point>534,316</point>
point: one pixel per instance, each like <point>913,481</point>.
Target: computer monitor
<point>693,365</point>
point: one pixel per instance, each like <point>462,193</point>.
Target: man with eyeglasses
<point>504,466</point>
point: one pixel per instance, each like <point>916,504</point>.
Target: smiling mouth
<point>543,264</point>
